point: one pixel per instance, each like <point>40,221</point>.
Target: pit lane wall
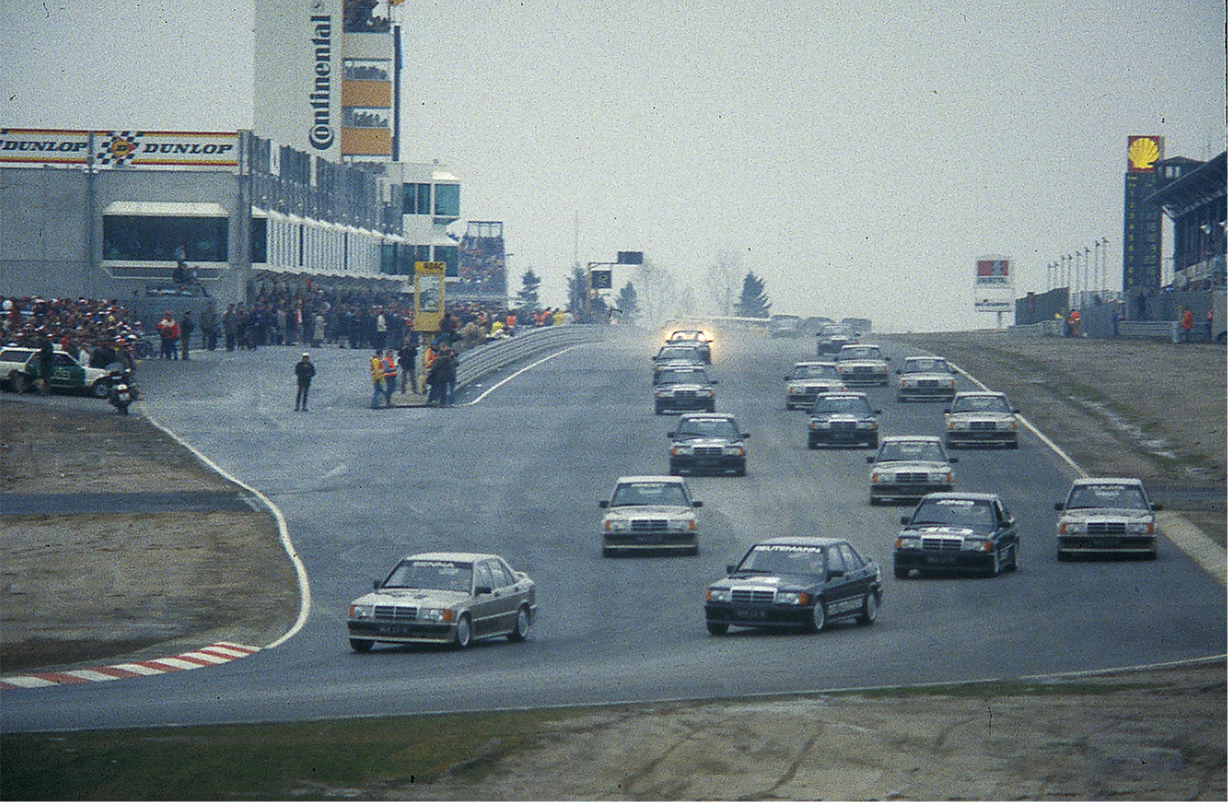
<point>489,357</point>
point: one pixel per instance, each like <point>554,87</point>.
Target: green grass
<point>350,758</point>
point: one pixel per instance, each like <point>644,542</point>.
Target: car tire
<point>875,501</point>
<point>673,469</point>
<point>464,633</point>
<point>361,646</point>
<point>741,471</point>
<point>100,388</point>
<point>818,616</point>
<point>1062,556</point>
<point>872,442</point>
<point>20,383</point>
<point>901,573</point>
<point>995,565</point>
<point>523,622</point>
<point>869,610</point>
<point>1014,566</point>
<point>658,409</point>
<point>812,444</point>
<point>717,628</point>
<point>1013,444</point>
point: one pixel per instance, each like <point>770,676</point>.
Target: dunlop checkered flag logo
<point>119,148</point>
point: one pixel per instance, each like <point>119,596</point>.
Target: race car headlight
<point>800,598</point>
<point>1141,528</point>
<point>664,393</point>
<point>734,451</point>
<point>879,477</point>
<point>904,542</point>
<point>681,450</point>
<point>719,595</point>
<point>794,389</point>
<point>435,615</point>
<point>703,393</point>
<point>957,425</point>
<point>1071,528</point>
<point>361,611</point>
<point>872,425</point>
<point>815,423</point>
<point>616,525</point>
<point>947,478</point>
<point>682,525</point>
<point>977,544</point>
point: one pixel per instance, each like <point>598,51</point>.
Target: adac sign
<point>119,148</point>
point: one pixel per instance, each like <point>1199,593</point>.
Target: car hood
<point>421,597</point>
<point>949,531</point>
<point>699,442</point>
<point>928,376</point>
<point>816,382</point>
<point>995,416</point>
<point>863,363</point>
<point>1107,513</point>
<point>655,510</point>
<point>911,465</point>
<point>768,581</point>
<point>834,417</point>
<point>684,386</point>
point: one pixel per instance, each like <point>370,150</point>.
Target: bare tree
<point>724,282</point>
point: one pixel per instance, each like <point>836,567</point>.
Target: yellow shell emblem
<point>1143,152</point>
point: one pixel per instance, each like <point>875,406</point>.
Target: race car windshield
<point>791,560</point>
<point>816,372</point>
<point>921,450</point>
<point>926,366</point>
<point>981,403</point>
<point>843,406</point>
<point>1119,497</point>
<point>859,353</point>
<point>682,377</point>
<point>716,429</point>
<point>975,515</point>
<point>431,575</point>
<point>640,494</point>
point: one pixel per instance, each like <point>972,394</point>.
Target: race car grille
<point>860,370</point>
<point>684,394</point>
<point>708,451</point>
<point>941,544</point>
<point>982,426</point>
<point>927,383</point>
<point>388,612</point>
<point>843,426</point>
<point>749,596</point>
<point>911,478</point>
<point>1106,528</point>
<point>648,525</point>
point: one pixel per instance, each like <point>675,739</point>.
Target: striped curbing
<point>214,654</point>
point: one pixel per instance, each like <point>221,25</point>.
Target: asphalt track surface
<point>520,473</point>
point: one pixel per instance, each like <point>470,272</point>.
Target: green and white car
<point>19,369</point>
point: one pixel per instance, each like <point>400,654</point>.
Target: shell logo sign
<point>1142,152</point>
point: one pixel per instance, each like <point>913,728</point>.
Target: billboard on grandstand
<point>994,283</point>
<point>109,149</point>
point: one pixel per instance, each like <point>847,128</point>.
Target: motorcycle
<point>122,391</point>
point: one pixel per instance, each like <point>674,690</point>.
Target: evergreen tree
<point>754,302</point>
<point>628,302</point>
<point>527,298</point>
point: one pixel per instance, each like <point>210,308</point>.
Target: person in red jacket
<point>1187,325</point>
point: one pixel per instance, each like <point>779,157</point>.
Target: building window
<point>450,256</point>
<point>149,238</point>
<point>260,240</point>
<point>360,117</point>
<point>417,199</point>
<point>447,200</point>
<point>365,69</point>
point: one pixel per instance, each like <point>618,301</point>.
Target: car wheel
<point>872,442</point>
<point>869,609</point>
<point>1014,566</point>
<point>100,388</point>
<point>901,573</point>
<point>361,646</point>
<point>673,469</point>
<point>658,409</point>
<point>1013,444</point>
<point>995,565</point>
<point>717,628</point>
<point>875,501</point>
<point>741,471</point>
<point>818,616</point>
<point>1062,556</point>
<point>464,633</point>
<point>811,444</point>
<point>522,625</point>
<point>20,383</point>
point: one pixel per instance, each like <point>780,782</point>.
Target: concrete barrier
<point>1150,330</point>
<point>477,362</point>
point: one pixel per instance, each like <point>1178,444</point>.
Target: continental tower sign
<point>322,133</point>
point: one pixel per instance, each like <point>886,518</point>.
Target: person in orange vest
<point>1187,325</point>
<point>377,378</point>
<point>389,363</point>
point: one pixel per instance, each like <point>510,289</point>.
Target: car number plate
<point>750,612</point>
<point>392,629</point>
<point>940,560</point>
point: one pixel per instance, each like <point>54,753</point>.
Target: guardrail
<point>1150,329</point>
<point>477,362</point>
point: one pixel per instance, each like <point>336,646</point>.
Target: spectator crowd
<point>92,331</point>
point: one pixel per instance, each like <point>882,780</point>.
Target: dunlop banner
<point>132,149</point>
<point>428,295</point>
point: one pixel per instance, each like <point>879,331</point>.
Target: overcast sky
<point>856,156</point>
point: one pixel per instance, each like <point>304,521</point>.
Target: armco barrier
<point>492,356</point>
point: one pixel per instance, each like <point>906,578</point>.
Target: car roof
<point>980,393</point>
<point>675,480</point>
<point>454,556</point>
<point>846,394</point>
<point>801,540</point>
<point>912,438</point>
<point>956,496</point>
<point>809,362</point>
<point>706,416</point>
<point>1108,480</point>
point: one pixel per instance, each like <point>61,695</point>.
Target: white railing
<point>492,356</point>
